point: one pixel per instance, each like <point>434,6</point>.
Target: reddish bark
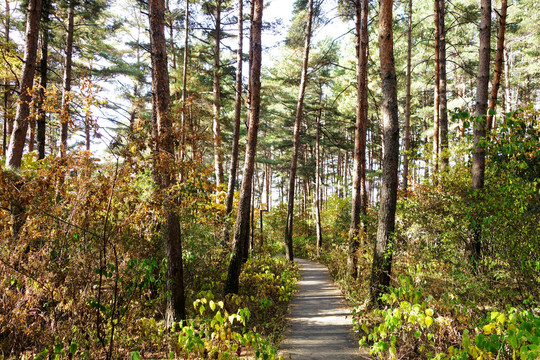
<point>20,126</point>
<point>382,254</point>
<point>359,194</point>
<point>499,61</point>
<point>175,308</point>
<point>296,139</point>
<point>241,231</point>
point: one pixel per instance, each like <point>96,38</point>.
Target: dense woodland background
<point>152,173</point>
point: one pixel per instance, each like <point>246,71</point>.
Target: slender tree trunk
<point>184,82</point>
<point>407,140</point>
<point>241,232</point>
<point>268,184</point>
<point>6,117</point>
<point>249,244</point>
<point>7,26</point>
<point>382,254</point>
<point>499,60</point>
<point>237,114</point>
<point>479,155</point>
<point>65,119</point>
<point>345,174</point>
<point>20,126</point>
<point>507,91</point>
<point>42,117</point>
<point>175,308</point>
<point>443,103</point>
<point>437,91</point>
<point>32,139</point>
<point>359,194</point>
<point>218,156</point>
<point>318,229</point>
<point>296,139</point>
<point>171,45</point>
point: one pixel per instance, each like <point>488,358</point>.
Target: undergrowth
<point>83,268</point>
<point>441,303</point>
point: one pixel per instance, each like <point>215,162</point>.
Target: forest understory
<point>158,180</point>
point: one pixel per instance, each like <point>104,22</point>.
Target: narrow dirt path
<point>320,325</point>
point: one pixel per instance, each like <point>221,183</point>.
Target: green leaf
<point>135,355</point>
<point>73,347</point>
<point>466,340</point>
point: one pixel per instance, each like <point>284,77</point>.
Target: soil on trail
<point>320,324</point>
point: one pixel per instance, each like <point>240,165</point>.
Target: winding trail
<point>320,324</point>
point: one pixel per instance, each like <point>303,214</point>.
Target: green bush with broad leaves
<point>214,334</point>
<point>410,327</point>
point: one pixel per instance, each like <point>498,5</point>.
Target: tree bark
<point>499,61</point>
<point>184,82</point>
<point>6,129</point>
<point>237,114</point>
<point>382,254</point>
<point>241,232</point>
<point>296,139</point>
<point>20,126</point>
<point>437,90</point>
<point>175,308</point>
<point>359,194</point>
<point>318,227</point>
<point>68,65</point>
<point>43,71</point>
<point>507,91</point>
<point>479,154</point>
<point>218,156</point>
<point>443,103</point>
<point>407,140</point>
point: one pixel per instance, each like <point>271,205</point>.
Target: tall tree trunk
<point>268,184</point>
<point>499,60</point>
<point>171,44</point>
<point>507,91</point>
<point>382,254</point>
<point>218,156</point>
<point>184,82</point>
<point>318,229</point>
<point>32,138</point>
<point>6,116</point>
<point>296,139</point>
<point>175,308</point>
<point>237,114</point>
<point>249,244</point>
<point>443,103</point>
<point>359,194</point>
<point>345,174</point>
<point>479,155</point>
<point>241,232</point>
<point>437,90</point>
<point>407,140</point>
<point>43,71</point>
<point>65,118</point>
<point>7,26</point>
<point>20,126</point>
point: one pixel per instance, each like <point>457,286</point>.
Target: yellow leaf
<point>488,329</point>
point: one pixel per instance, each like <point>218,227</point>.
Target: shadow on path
<point>320,325</point>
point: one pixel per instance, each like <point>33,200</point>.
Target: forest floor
<point>319,324</point>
